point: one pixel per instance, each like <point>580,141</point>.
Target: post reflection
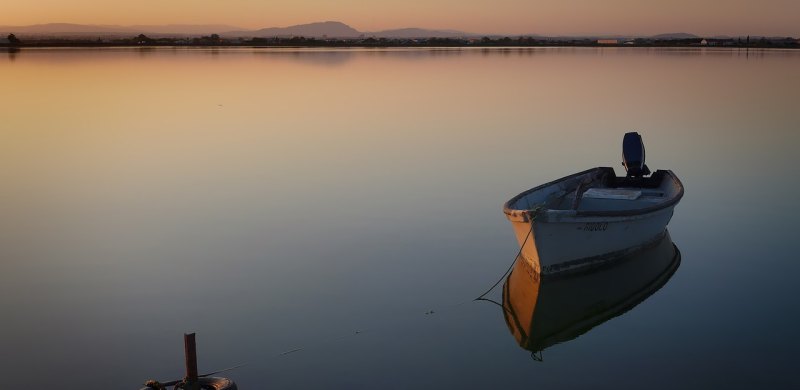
<point>12,53</point>
<point>541,312</point>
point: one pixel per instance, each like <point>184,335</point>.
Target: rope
<point>264,358</point>
<point>533,214</point>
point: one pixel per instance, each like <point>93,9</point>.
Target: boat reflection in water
<point>543,311</point>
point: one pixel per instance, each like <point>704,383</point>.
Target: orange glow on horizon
<point>704,17</point>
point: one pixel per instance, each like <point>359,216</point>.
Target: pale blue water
<point>276,200</point>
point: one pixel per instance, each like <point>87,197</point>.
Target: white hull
<point>556,240</point>
<point>564,246</point>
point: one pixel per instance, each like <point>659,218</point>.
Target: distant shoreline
<point>485,42</point>
<point>354,45</point>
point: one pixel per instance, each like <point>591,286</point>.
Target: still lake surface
<point>323,201</point>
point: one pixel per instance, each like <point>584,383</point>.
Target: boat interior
<point>608,192</point>
<point>601,190</point>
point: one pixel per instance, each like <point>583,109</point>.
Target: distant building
<point>704,42</point>
<point>607,42</point>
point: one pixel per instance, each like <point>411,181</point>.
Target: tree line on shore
<point>216,40</point>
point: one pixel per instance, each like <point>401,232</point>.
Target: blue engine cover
<point>633,155</point>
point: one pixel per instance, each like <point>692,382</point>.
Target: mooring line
<point>290,351</point>
<point>510,267</point>
<point>429,312</point>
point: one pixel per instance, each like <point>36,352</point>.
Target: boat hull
<point>573,245</point>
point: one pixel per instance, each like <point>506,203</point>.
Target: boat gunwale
<point>527,214</point>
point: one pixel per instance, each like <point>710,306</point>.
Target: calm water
<point>276,200</point>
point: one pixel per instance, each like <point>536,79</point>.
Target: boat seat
<point>612,193</point>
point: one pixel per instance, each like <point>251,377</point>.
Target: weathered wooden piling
<point>190,354</point>
<point>193,381</point>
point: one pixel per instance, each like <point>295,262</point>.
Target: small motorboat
<point>541,313</point>
<point>587,218</point>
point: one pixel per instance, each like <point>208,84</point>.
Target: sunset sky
<point>704,17</point>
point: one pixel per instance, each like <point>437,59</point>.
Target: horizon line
<point>451,30</point>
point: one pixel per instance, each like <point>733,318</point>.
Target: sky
<point>551,17</point>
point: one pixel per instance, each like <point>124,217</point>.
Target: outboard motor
<point>633,155</point>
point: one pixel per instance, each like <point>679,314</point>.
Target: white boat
<point>584,219</point>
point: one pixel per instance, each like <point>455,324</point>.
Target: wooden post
<point>190,352</point>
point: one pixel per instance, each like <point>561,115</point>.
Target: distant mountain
<point>674,36</point>
<point>330,29</point>
<point>418,33</point>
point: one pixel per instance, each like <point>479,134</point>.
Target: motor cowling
<point>633,155</point>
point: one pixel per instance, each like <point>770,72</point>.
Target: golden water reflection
<point>279,178</point>
<point>542,312</point>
